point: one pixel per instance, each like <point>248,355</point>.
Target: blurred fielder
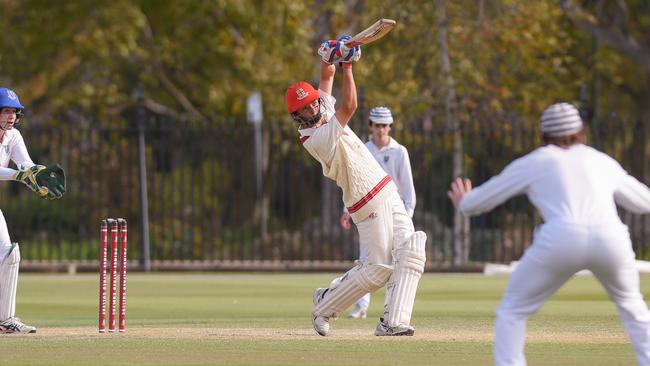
<point>46,182</point>
<point>395,253</point>
<point>576,189</point>
<point>394,159</point>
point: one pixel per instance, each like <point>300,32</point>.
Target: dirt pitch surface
<point>433,335</point>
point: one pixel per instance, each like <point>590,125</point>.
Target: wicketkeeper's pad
<point>9,282</point>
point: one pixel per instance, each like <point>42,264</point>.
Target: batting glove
<point>348,54</point>
<point>330,51</point>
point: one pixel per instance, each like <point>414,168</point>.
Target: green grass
<point>263,319</point>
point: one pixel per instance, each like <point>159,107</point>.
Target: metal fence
<point>209,200</point>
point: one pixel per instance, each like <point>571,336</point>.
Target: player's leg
<point>9,263</point>
<point>373,274</point>
<point>360,310</point>
<point>344,291</point>
<point>8,284</point>
<point>613,263</point>
<point>530,286</point>
<point>402,286</point>
<point>9,266</point>
<point>552,259</point>
<point>8,272</point>
<point>409,257</point>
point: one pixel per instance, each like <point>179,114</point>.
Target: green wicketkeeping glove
<point>52,178</point>
<point>27,176</point>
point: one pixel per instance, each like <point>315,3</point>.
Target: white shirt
<point>394,159</point>
<point>347,161</point>
<point>576,185</point>
<point>13,149</point>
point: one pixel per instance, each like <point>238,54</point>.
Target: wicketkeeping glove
<point>47,182</point>
<point>27,176</point>
<point>52,178</point>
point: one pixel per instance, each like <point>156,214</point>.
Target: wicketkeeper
<point>576,189</point>
<point>395,253</point>
<point>47,182</point>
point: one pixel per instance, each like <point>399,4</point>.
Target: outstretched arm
<point>633,195</point>
<point>349,99</point>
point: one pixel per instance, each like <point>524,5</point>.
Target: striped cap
<point>381,115</point>
<point>561,119</point>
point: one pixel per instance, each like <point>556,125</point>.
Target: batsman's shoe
<point>15,325</point>
<point>321,323</point>
<point>384,329</point>
<point>358,312</point>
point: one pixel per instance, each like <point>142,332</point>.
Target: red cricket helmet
<point>300,95</point>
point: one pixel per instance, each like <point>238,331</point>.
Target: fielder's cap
<point>561,119</point>
<point>300,95</point>
<point>381,115</point>
<point>9,99</point>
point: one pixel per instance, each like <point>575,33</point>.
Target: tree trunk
<point>461,223</point>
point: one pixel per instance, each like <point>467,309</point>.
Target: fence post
<point>145,248</point>
<point>255,116</point>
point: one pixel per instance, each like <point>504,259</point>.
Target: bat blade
<point>372,33</point>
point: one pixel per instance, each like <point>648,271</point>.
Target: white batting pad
<point>410,258</point>
<point>9,283</point>
<point>346,290</point>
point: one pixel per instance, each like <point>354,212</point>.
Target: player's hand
<point>52,178</point>
<point>348,54</point>
<point>27,176</point>
<point>330,51</point>
<point>345,221</point>
<point>459,188</point>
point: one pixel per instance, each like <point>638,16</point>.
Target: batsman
<point>47,182</point>
<point>395,252</point>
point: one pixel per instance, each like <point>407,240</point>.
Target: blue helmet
<point>9,99</point>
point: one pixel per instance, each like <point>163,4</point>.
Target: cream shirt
<point>347,161</point>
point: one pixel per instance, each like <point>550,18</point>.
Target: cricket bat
<point>372,33</point>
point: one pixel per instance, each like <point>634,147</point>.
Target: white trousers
<point>5,241</point>
<point>383,230</point>
<point>8,273</point>
<point>380,233</point>
<point>559,250</point>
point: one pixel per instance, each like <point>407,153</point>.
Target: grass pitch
<point>263,319</point>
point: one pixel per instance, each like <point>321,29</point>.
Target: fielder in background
<point>395,252</point>
<point>394,159</point>
<point>46,182</point>
<point>576,189</point>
